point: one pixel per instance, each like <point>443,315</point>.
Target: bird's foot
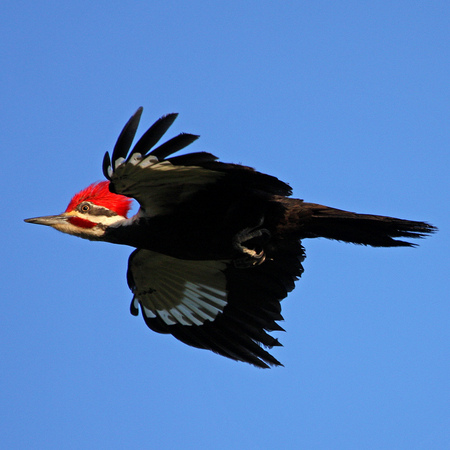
<point>250,257</point>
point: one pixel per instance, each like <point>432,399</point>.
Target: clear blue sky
<point>346,101</point>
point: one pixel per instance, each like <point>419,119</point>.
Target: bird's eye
<point>85,208</point>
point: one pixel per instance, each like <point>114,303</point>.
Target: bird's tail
<point>366,229</point>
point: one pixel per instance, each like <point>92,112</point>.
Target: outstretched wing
<point>160,183</point>
<point>214,305</point>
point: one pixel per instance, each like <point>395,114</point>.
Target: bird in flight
<point>217,245</point>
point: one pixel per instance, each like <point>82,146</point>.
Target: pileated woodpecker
<point>217,245</point>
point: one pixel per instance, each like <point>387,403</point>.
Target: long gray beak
<point>50,221</point>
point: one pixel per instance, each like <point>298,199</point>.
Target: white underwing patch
<point>178,291</point>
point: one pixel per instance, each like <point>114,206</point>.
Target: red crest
<point>99,194</point>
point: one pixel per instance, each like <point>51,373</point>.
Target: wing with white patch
<point>160,183</point>
<point>156,182</point>
<point>176,290</point>
<point>213,304</point>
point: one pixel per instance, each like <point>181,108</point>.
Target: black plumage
<point>218,245</point>
<point>202,224</point>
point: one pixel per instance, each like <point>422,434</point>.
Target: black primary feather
<point>153,134</point>
<point>126,137</point>
<point>106,165</point>
<point>192,159</point>
<point>174,145</point>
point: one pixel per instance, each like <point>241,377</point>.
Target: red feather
<point>99,194</point>
<point>82,223</point>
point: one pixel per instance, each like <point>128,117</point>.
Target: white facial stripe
<point>104,220</point>
<point>110,220</point>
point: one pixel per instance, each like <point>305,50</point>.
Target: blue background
<point>347,101</point>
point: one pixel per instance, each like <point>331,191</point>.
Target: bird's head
<point>90,212</point>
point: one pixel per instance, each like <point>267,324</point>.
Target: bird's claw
<point>251,257</point>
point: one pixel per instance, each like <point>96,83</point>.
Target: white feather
<point>118,162</point>
<point>135,159</point>
<point>148,312</point>
<point>166,317</point>
<point>149,160</point>
<point>179,291</point>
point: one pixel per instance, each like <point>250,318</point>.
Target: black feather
<point>236,201</point>
<point>253,309</point>
<point>153,134</point>
<point>192,159</point>
<point>106,165</point>
<point>174,145</point>
<point>126,137</point>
